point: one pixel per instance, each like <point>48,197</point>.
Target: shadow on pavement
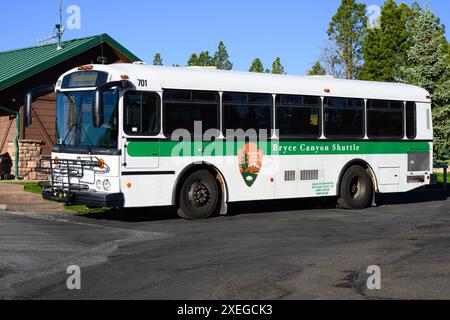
<point>235,209</point>
<point>416,196</point>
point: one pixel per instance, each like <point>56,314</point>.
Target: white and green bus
<point>133,135</point>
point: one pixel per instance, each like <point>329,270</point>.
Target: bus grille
<point>307,175</point>
<point>289,175</point>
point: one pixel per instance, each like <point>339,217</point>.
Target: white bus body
<point>147,170</point>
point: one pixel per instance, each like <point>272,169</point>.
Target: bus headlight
<point>98,184</point>
<point>107,185</point>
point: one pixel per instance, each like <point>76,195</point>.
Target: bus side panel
<point>303,176</point>
<point>280,177</point>
<point>148,190</point>
<point>239,186</point>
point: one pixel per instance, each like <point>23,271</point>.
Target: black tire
<point>199,196</point>
<point>356,189</point>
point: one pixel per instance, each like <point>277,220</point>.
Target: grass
<point>440,178</point>
<point>33,187</point>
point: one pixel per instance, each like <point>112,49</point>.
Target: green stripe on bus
<point>180,149</point>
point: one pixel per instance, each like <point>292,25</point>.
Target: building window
<point>141,113</point>
<point>182,108</point>
<point>385,119</point>
<point>411,126</point>
<point>344,117</point>
<point>298,116</point>
<point>248,111</point>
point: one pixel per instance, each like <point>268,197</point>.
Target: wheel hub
<point>198,194</point>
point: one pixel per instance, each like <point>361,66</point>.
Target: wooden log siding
<point>7,132</point>
<point>44,122</point>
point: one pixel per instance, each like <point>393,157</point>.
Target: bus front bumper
<point>89,198</point>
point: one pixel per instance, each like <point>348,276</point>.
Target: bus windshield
<point>74,121</point>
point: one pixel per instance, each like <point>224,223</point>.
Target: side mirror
<point>97,107</point>
<point>38,91</point>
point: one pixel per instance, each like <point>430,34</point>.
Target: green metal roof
<point>17,65</point>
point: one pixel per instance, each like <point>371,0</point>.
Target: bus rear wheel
<point>356,189</point>
<point>199,196</point>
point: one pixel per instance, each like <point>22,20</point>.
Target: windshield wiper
<point>63,143</point>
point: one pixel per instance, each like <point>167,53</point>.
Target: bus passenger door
<point>140,154</point>
<point>141,126</point>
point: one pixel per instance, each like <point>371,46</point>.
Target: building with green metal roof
<point>23,69</point>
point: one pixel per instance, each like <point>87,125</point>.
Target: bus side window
<point>385,119</point>
<point>250,112</point>
<point>411,126</point>
<point>183,108</point>
<point>344,117</point>
<point>141,113</point>
<point>298,116</point>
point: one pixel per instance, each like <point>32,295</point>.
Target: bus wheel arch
<point>367,171</point>
<point>217,174</point>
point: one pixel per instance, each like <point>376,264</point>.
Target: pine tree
<point>384,49</point>
<point>221,58</point>
<point>256,66</point>
<point>201,60</point>
<point>157,60</point>
<point>428,68</point>
<point>193,60</point>
<point>277,67</point>
<point>317,70</point>
<point>347,30</point>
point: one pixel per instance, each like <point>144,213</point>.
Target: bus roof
<point>161,77</point>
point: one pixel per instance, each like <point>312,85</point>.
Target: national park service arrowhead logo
<point>250,162</point>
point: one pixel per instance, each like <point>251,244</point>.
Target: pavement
<point>13,197</point>
<point>296,249</point>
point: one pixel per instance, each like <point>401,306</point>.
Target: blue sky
<point>293,30</point>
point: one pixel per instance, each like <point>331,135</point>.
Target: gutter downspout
<point>16,140</point>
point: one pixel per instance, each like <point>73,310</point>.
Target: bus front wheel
<point>356,189</point>
<point>199,196</point>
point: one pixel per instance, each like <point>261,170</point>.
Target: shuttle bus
<point>134,135</point>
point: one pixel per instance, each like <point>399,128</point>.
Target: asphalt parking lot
<point>299,249</point>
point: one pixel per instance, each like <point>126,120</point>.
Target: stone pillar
<point>30,152</point>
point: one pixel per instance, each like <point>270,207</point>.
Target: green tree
<point>385,48</point>
<point>448,53</point>
<point>347,30</point>
<point>157,60</point>
<point>277,67</point>
<point>317,70</point>
<point>201,60</point>
<point>428,68</point>
<point>256,66</point>
<point>221,58</point>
